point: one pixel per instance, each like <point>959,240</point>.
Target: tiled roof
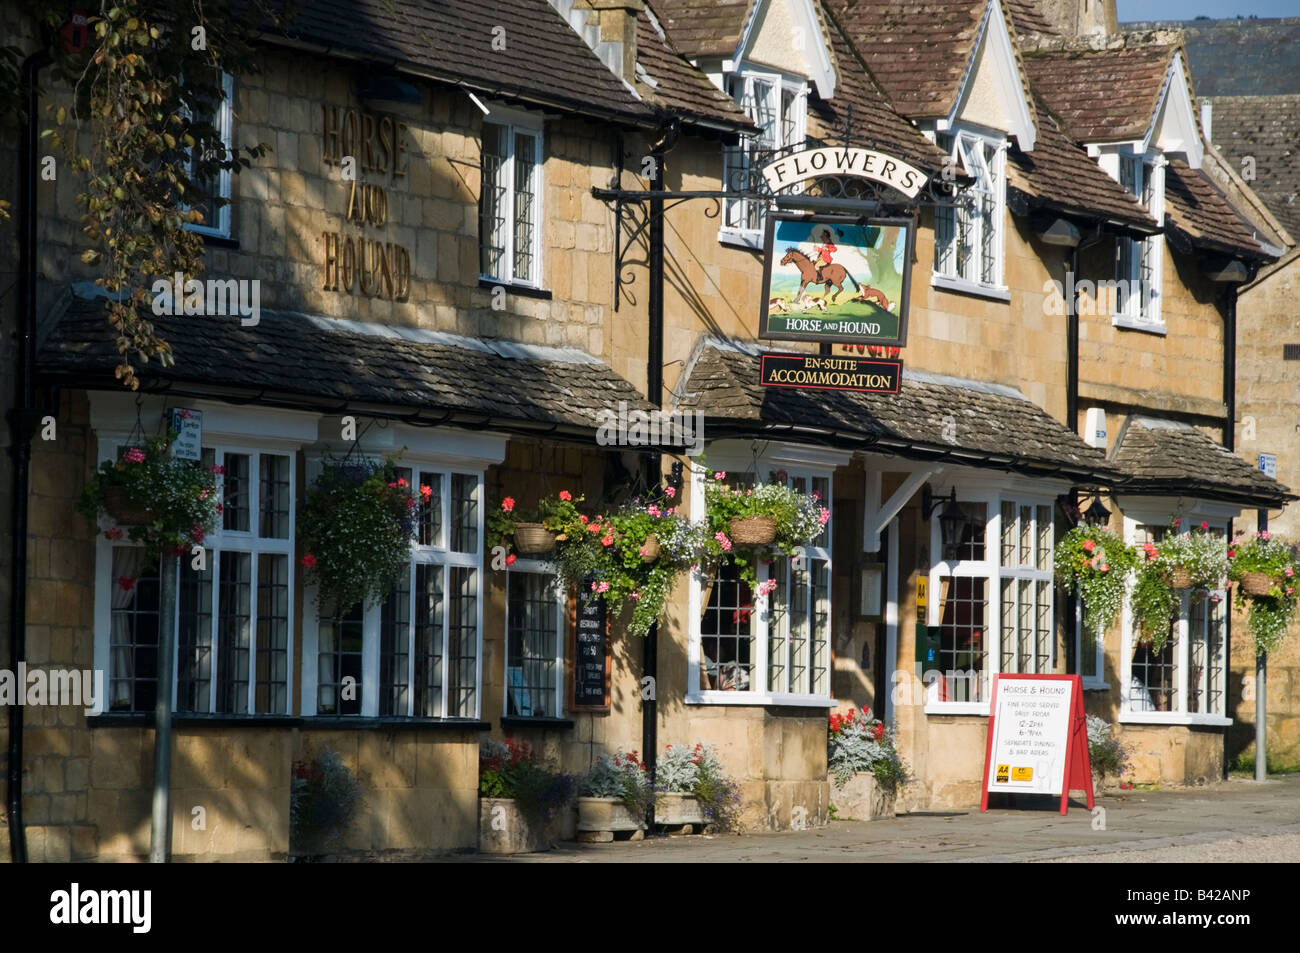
<point>544,60</point>
<point>1255,57</point>
<point>1026,17</point>
<point>1060,175</point>
<point>917,51</point>
<point>704,27</point>
<point>1102,95</point>
<point>678,86</point>
<point>1196,209</point>
<point>1266,128</point>
<point>1160,456</point>
<point>872,121</point>
<point>294,358</point>
<point>989,425</point>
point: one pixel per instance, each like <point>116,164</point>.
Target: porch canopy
<point>330,365</point>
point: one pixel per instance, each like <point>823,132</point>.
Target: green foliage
<point>1269,615</point>
<point>510,769</point>
<point>1093,563</point>
<point>1105,752</point>
<point>799,517</point>
<point>697,771</point>
<point>182,495</point>
<point>355,528</point>
<point>323,801</point>
<point>621,776</point>
<point>856,742</point>
<point>131,135</point>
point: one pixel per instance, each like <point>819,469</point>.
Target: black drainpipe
<point>22,423</point>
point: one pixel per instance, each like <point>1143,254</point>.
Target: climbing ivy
<point>139,134</point>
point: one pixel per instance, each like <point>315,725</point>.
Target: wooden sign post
<point>1038,738</point>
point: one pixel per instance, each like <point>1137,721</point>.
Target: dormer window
<point>777,105</point>
<point>1138,261</point>
<point>968,241</point>
<point>213,185</point>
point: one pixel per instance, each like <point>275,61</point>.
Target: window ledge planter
<point>503,828</point>
<point>600,818</point>
<point>679,810</point>
<point>862,798</point>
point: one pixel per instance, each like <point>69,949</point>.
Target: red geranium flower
<point>126,582</point>
<point>510,560</point>
<point>308,561</point>
<point>508,504</point>
<point>566,495</point>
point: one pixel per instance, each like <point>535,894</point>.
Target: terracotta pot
<point>124,510</point>
<point>1256,583</point>
<point>753,530</point>
<point>862,799</point>
<point>533,538</point>
<point>651,549</point>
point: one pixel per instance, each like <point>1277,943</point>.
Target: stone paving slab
<point>1262,820</point>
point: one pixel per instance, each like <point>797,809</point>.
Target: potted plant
<point>162,501</point>
<point>1093,563</point>
<point>764,518</point>
<point>356,526</point>
<point>323,800</point>
<point>865,766</point>
<point>694,790</point>
<point>615,795</point>
<point>1107,755</point>
<point>521,800</point>
<point>632,555</point>
<point>534,532</point>
<point>1265,568</point>
<point>1154,600</point>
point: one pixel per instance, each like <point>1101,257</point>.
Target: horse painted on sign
<point>832,276</point>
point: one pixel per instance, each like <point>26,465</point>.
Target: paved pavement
<point>1237,820</point>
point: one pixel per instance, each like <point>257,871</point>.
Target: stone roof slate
<point>1266,128</point>
<point>1196,209</point>
<point>679,87</point>
<point>317,361</point>
<point>544,60</point>
<point>991,426</point>
<point>1102,95</point>
<point>1163,456</point>
<point>1059,174</point>
<point>1239,57</point>
<point>701,28</point>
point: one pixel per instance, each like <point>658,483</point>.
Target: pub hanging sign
<point>836,279</point>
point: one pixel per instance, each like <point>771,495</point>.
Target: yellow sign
<point>922,591</point>
<point>1022,774</point>
<point>1003,776</point>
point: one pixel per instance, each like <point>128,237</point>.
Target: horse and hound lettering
<point>831,278</point>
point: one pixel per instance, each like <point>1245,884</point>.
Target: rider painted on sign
<point>824,252</point>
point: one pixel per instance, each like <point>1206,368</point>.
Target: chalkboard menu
<point>591,652</point>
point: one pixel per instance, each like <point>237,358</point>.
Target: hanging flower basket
<point>650,550</point>
<point>1180,577</point>
<point>753,530</point>
<point>125,511</point>
<point>533,539</point>
<point>1256,583</point>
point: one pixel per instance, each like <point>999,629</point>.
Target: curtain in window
<point>126,564</point>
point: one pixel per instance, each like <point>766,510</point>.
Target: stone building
<point>483,306</point>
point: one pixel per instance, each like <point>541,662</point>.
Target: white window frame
<point>225,124</point>
<point>512,121</point>
<point>225,429</point>
<point>537,567</point>
<point>967,152</point>
<point>741,83</point>
<point>797,461</point>
<point>439,555</point>
<point>990,569</point>
<point>1142,310</point>
<point>1154,514</point>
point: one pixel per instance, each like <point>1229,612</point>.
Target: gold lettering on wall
<point>355,263</point>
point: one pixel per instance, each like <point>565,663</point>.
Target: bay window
<point>746,648</point>
<point>1184,682</point>
<point>992,598</point>
<point>417,653</point>
<point>234,605</point>
<point>968,239</point>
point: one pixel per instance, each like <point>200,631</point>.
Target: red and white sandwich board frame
<point>1038,738</point>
